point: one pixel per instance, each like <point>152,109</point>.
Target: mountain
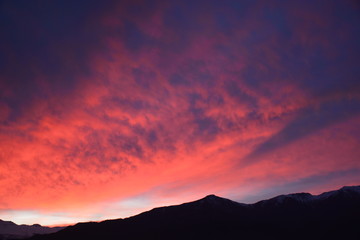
<point>10,230</point>
<point>331,215</point>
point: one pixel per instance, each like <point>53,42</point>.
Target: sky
<point>111,108</point>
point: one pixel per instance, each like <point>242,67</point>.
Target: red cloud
<point>178,106</point>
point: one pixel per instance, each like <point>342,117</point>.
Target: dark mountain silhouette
<point>331,215</point>
<point>10,230</point>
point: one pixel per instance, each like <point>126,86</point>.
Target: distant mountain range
<point>10,230</point>
<point>331,215</point>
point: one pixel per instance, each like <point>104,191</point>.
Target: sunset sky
<point>111,108</point>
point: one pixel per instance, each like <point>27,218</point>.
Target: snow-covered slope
<point>307,198</point>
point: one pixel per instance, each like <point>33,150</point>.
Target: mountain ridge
<point>327,215</point>
<point>11,230</point>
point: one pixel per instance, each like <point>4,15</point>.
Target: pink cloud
<point>159,112</point>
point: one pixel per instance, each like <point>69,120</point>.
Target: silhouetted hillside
<point>10,230</point>
<point>331,215</point>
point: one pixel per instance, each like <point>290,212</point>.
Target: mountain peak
<point>212,196</point>
<point>216,201</point>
